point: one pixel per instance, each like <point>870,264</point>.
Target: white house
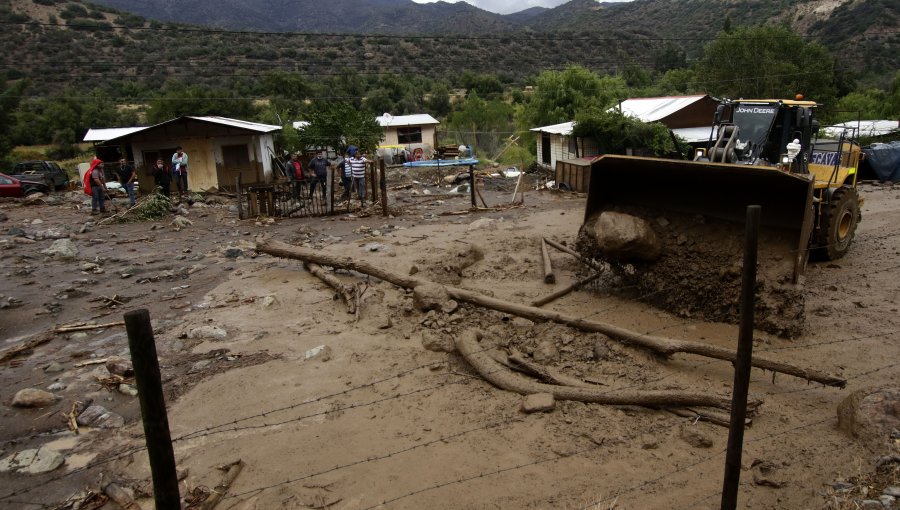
<point>408,129</point>
<point>689,117</point>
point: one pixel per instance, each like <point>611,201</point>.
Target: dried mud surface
<point>377,420</point>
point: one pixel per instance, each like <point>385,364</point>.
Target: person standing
<point>342,165</point>
<point>98,188</point>
<point>180,169</point>
<point>358,172</point>
<point>163,177</point>
<point>294,171</point>
<point>127,176</point>
<point>318,166</point>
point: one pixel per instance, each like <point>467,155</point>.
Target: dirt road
<point>375,420</point>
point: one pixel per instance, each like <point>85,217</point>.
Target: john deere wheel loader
<point>760,152</point>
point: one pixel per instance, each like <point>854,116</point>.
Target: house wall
<point>561,147</point>
<point>206,161</point>
<point>428,135</point>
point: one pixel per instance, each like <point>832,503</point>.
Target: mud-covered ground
<point>376,420</point>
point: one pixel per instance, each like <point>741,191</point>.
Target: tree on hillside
<point>178,99</point>
<point>481,123</point>
<point>338,125</point>
<point>766,62</point>
<point>559,95</point>
<point>9,101</point>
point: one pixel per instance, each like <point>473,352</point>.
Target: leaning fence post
<point>472,185</point>
<point>153,409</point>
<point>742,363</point>
<point>382,181</point>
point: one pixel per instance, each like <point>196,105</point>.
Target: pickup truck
<point>46,171</point>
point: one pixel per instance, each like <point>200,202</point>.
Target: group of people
<point>351,168</point>
<point>164,175</point>
<point>95,179</point>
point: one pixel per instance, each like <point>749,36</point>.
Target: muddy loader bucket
<point>713,190</point>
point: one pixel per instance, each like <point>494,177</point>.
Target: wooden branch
<point>664,346</point>
<point>24,348</point>
<point>88,327</point>
<point>91,362</point>
<point>233,470</point>
<point>346,292</point>
<point>710,416</point>
<point>565,249</point>
<point>493,372</point>
<point>478,192</point>
<point>549,275</point>
<point>545,374</point>
<point>564,291</point>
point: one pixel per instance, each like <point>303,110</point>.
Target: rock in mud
<point>34,199</point>
<point>546,352</point>
<point>33,397</point>
<point>181,222</point>
<point>119,366</point>
<point>100,417</point>
<point>208,332</point>
<point>870,414</point>
<point>62,249</point>
<point>539,403</point>
<point>621,236</point>
<point>3,217</point>
<point>695,438</point>
<point>437,342</point>
<point>430,296</point>
<point>32,462</point>
<point>321,353</point>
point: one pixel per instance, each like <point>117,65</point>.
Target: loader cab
<point>763,129</point>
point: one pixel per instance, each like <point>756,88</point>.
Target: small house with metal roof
<point>219,148</point>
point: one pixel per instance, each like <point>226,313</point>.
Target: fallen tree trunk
<point>24,348</point>
<point>661,345</point>
<point>492,371</point>
<point>231,472</point>
<point>346,292</point>
<point>549,275</point>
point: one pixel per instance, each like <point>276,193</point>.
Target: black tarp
<point>884,160</point>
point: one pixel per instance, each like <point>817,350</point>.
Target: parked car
<point>48,170</point>
<point>13,187</point>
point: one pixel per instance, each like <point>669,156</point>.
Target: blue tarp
<point>443,162</point>
<point>884,158</point>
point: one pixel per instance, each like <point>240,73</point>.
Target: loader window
<point>754,122</point>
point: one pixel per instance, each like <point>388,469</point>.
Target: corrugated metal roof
<point>103,134</point>
<point>564,129</point>
<point>649,109</point>
<point>243,124</point>
<point>419,119</point>
<point>863,128</point>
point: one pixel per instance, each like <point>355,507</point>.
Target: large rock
<point>437,342</point>
<point>432,296</point>
<point>622,236</point>
<point>870,414</point>
<point>119,366</point>
<point>100,417</point>
<point>32,462</point>
<point>538,403</point>
<point>62,249</point>
<point>208,332</point>
<point>33,397</point>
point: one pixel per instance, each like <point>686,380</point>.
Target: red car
<point>12,187</point>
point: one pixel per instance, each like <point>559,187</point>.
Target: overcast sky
<point>508,6</point>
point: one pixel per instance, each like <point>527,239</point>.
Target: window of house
<point>409,135</point>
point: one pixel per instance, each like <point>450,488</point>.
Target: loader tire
<point>838,226</point>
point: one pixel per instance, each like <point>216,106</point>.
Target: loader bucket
<point>713,190</point>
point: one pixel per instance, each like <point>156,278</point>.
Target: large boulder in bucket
<point>623,237</point>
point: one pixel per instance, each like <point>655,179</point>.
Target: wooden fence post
<point>383,185</point>
<point>153,409</point>
<point>742,363</point>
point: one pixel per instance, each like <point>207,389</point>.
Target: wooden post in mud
<point>153,408</point>
<point>472,185</point>
<point>382,181</point>
<point>374,180</point>
<point>742,362</point>
<point>237,190</point>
